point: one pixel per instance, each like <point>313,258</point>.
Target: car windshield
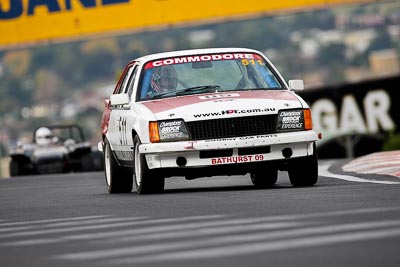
<point>188,75</point>
<point>66,132</point>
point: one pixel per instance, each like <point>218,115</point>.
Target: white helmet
<point>43,136</point>
<point>164,79</point>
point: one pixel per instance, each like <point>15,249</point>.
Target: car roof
<point>191,52</point>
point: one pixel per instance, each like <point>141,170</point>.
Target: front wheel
<point>262,178</point>
<point>119,179</point>
<point>146,180</point>
<point>304,171</point>
<point>15,168</point>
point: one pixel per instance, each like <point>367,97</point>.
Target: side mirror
<point>296,85</point>
<point>119,99</point>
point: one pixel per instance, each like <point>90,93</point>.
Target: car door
<point>127,118</point>
<point>117,115</point>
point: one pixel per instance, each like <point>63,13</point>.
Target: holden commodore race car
<point>206,112</point>
<point>55,149</point>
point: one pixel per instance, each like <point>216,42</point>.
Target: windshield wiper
<point>162,94</point>
<point>186,90</point>
<point>198,88</point>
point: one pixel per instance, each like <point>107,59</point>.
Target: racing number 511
<point>246,62</point>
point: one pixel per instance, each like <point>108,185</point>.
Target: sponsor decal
<point>234,111</point>
<point>237,159</point>
<point>242,138</point>
<point>218,96</point>
<point>172,130</point>
<point>200,58</point>
<point>289,120</point>
<point>221,139</point>
<point>223,100</point>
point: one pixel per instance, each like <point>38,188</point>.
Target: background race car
<point>55,149</point>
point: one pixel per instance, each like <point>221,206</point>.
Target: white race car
<point>206,112</point>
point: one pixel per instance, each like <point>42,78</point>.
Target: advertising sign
<point>33,21</point>
<point>365,107</point>
<point>355,119</point>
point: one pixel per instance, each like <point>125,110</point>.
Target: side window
<point>129,88</point>
<point>118,89</point>
<point>126,80</point>
<point>121,88</point>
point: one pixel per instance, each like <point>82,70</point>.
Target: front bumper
<point>192,153</point>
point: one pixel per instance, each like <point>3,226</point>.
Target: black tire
<point>263,178</point>
<point>119,179</point>
<point>147,181</point>
<point>304,171</point>
<point>15,168</point>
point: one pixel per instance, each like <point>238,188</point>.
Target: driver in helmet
<point>44,136</point>
<point>164,79</point>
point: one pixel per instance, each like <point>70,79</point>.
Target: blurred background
<point>339,48</point>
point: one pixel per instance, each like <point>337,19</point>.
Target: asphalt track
<point>347,219</point>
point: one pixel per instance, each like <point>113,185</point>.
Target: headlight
<point>294,120</point>
<point>164,131</point>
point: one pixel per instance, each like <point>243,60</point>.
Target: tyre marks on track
<point>116,240</point>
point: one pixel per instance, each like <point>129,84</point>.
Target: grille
<point>232,127</point>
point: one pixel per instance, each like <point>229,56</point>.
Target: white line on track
<point>239,243</point>
<point>263,247</point>
<point>133,221</point>
<point>181,227</point>
<point>272,246</point>
<point>128,222</point>
<point>69,224</point>
<point>2,224</point>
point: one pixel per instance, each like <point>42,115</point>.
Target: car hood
<point>223,105</point>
